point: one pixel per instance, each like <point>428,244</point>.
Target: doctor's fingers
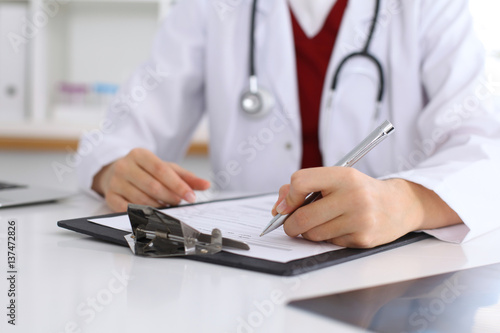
<point>162,172</point>
<point>116,202</point>
<point>164,183</point>
<point>281,196</point>
<point>305,181</point>
<point>357,229</point>
<point>312,216</point>
<point>330,230</point>
<point>119,198</point>
<point>195,182</point>
<point>143,181</point>
<point>348,231</point>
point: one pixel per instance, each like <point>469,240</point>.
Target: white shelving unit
<point>78,41</point>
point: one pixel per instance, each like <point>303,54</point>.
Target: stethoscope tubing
<point>253,82</point>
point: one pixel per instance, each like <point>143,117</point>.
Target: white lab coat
<point>446,138</point>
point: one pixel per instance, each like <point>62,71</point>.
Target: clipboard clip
<point>156,234</point>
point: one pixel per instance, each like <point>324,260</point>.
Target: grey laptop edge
<point>12,194</point>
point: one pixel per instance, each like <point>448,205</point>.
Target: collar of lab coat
<point>362,9</point>
<point>311,15</point>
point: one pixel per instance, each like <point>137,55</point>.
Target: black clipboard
<point>295,267</point>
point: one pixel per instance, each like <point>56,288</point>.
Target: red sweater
<point>313,56</point>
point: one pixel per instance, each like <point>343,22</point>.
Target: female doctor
<point>264,70</point>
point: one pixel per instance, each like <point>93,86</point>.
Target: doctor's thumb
<point>282,208</point>
<point>283,192</point>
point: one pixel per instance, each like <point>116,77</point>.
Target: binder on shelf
<point>12,62</point>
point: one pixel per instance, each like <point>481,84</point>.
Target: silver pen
<point>373,139</point>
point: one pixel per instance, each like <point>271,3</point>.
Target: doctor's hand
<point>357,210</point>
<point>143,178</point>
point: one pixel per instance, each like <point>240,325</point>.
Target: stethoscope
<point>258,101</point>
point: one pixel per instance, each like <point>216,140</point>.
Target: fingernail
<point>281,207</point>
<point>190,197</point>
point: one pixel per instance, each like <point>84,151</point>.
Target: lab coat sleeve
<point>458,127</point>
<point>160,106</point>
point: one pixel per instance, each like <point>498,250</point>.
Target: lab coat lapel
<point>276,54</point>
<point>275,51</point>
<point>351,38</point>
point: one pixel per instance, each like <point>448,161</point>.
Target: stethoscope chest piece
<point>258,103</point>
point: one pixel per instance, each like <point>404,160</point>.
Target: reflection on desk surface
<point>463,301</point>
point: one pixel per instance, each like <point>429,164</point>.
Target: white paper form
<point>243,220</point>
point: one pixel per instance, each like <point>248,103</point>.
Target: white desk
<point>67,278</point>
<point>68,282</point>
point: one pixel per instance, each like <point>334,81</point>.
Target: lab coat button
<point>288,146</point>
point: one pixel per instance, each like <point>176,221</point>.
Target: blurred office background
<point>61,62</point>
